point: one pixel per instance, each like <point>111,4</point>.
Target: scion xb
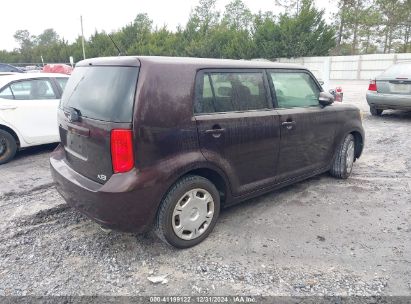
<point>165,143</point>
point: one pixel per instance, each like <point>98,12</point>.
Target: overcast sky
<point>37,15</point>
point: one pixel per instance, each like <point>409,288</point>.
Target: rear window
<point>102,92</point>
<point>398,71</point>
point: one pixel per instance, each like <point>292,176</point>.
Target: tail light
<point>372,86</point>
<point>338,89</point>
<point>122,154</point>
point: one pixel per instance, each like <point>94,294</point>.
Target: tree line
<point>372,26</point>
<point>359,26</point>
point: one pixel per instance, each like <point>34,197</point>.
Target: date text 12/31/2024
<point>204,299</point>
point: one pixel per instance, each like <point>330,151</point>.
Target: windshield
<point>102,92</point>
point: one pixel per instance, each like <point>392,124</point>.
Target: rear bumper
<point>389,101</point>
<point>125,202</point>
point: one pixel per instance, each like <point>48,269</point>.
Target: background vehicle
<point>337,92</point>
<point>58,68</point>
<point>32,69</point>
<point>4,67</point>
<point>28,109</point>
<point>171,140</point>
<point>391,89</point>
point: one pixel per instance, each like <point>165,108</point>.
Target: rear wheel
<point>375,112</point>
<point>188,213</point>
<point>344,160</point>
<point>8,147</point>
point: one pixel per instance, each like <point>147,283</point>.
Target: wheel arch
<point>210,172</point>
<point>353,126</point>
<point>359,143</point>
<point>215,177</point>
<point>13,133</point>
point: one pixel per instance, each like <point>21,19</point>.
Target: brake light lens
<point>372,86</point>
<point>122,154</point>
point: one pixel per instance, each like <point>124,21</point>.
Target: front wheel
<point>344,160</point>
<point>8,147</point>
<point>188,213</point>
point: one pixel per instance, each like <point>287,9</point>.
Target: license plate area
<point>400,88</point>
<point>76,145</point>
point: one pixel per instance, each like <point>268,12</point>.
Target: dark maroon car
<point>168,142</point>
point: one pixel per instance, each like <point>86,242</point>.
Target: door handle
<point>8,107</point>
<point>216,131</point>
<point>289,125</point>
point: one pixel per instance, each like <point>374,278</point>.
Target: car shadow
<point>35,150</point>
<point>274,195</point>
<point>395,115</point>
<point>148,240</point>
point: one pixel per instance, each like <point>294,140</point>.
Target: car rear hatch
<point>97,102</point>
<point>395,80</point>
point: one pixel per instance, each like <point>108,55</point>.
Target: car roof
<point>197,62</point>
<point>5,79</point>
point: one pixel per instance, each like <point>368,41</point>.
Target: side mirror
<point>325,99</point>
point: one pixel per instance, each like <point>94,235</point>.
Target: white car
<point>28,111</point>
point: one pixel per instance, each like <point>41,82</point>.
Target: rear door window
<point>231,91</point>
<point>294,89</point>
<point>102,92</point>
<point>6,93</point>
<point>33,89</point>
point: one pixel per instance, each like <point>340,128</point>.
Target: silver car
<point>391,89</point>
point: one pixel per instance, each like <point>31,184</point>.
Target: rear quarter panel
<point>6,125</point>
<point>166,144</point>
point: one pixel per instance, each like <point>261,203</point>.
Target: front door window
<point>295,89</point>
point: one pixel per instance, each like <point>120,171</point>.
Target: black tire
<point>375,112</point>
<point>339,167</point>
<point>8,147</point>
<point>164,225</point>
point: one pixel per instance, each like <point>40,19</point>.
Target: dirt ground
<point>322,236</point>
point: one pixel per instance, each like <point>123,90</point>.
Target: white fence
<point>359,67</point>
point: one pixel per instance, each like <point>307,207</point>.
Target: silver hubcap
<point>193,214</point>
<point>350,156</point>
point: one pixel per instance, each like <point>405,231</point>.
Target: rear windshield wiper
<point>73,114</point>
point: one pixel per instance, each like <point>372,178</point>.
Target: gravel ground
<point>322,236</point>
